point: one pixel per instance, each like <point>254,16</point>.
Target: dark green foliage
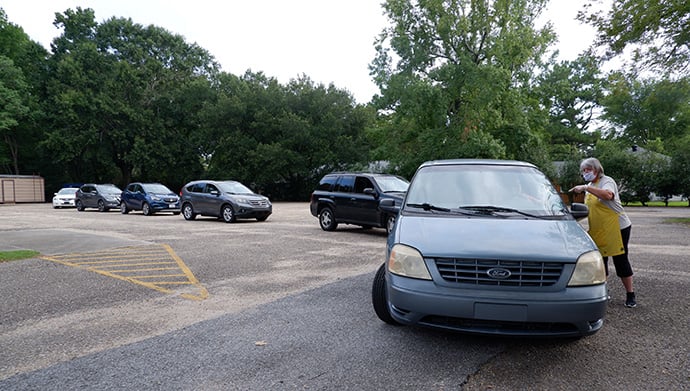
<point>458,88</point>
<point>280,140</point>
<point>657,31</point>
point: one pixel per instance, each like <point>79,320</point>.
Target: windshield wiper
<point>426,206</point>
<point>492,210</point>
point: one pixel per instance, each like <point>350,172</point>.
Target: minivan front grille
<point>499,272</point>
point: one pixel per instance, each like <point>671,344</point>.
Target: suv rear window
<point>327,182</point>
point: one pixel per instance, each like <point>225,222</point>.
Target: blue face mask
<point>589,176</point>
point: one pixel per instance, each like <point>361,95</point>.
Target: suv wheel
<point>327,220</point>
<point>379,298</point>
<point>123,208</point>
<point>227,214</point>
<point>101,206</point>
<point>80,205</point>
<point>188,212</point>
<point>146,209</point>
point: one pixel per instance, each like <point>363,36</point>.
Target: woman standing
<point>609,225</point>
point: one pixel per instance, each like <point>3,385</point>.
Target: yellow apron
<point>604,227</point>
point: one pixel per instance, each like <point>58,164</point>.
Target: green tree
<point>124,98</point>
<point>657,30</point>
<point>279,139</point>
<point>680,167</point>
<point>22,64</point>
<point>643,110</point>
<point>461,67</point>
<point>570,91</point>
<point>13,109</point>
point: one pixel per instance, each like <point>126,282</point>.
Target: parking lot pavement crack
<point>155,267</point>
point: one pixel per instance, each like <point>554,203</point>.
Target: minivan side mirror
<point>388,205</point>
<point>579,211</point>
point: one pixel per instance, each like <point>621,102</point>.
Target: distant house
<point>21,188</point>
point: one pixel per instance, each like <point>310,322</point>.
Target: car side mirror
<point>579,210</point>
<point>371,192</point>
<point>215,192</point>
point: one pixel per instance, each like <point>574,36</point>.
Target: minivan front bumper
<point>572,312</point>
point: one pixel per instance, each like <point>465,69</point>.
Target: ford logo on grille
<point>498,273</point>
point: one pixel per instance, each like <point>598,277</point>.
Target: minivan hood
<point>494,238</point>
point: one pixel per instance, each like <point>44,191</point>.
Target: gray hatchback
<point>227,200</point>
<point>489,247</point>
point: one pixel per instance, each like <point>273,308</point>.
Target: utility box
<point>21,188</point>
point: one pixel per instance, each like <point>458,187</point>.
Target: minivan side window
<point>346,184</point>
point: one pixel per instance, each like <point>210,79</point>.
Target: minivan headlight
<point>408,262</point>
<point>589,270</point>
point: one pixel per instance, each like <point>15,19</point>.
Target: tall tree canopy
<point>658,31</point>
<point>281,139</point>
<point>571,92</point>
<point>22,64</point>
<point>457,73</point>
<point>120,102</point>
<point>644,110</point>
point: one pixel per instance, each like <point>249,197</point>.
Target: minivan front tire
<point>379,298</point>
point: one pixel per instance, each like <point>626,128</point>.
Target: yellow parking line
<point>102,262</point>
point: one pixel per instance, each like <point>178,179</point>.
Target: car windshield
<point>109,189</point>
<point>67,190</point>
<point>155,188</point>
<point>392,184</point>
<point>491,190</point>
<point>234,188</point>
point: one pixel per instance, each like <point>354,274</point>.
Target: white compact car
<point>65,198</point>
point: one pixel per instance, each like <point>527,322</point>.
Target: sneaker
<point>630,300</point>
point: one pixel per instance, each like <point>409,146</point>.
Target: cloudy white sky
<point>330,41</point>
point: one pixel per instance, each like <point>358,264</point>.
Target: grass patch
<point>658,203</point>
<point>678,220</point>
<point>17,254</point>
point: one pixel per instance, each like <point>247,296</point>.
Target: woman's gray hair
<point>594,163</point>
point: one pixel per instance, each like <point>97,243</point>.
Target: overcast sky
<point>330,41</point>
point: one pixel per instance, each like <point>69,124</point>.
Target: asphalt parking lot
<point>135,302</point>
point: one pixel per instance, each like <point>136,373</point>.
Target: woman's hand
<point>579,189</point>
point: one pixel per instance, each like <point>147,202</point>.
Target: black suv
<point>353,198</point>
<point>103,197</point>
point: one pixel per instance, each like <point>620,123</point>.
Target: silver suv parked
<point>103,197</point>
<point>228,200</point>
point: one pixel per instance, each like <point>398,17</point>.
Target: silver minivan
<point>489,247</point>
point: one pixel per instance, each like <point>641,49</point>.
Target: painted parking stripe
<point>155,267</point>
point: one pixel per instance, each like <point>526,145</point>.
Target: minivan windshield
<point>481,189</point>
<point>234,188</point>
